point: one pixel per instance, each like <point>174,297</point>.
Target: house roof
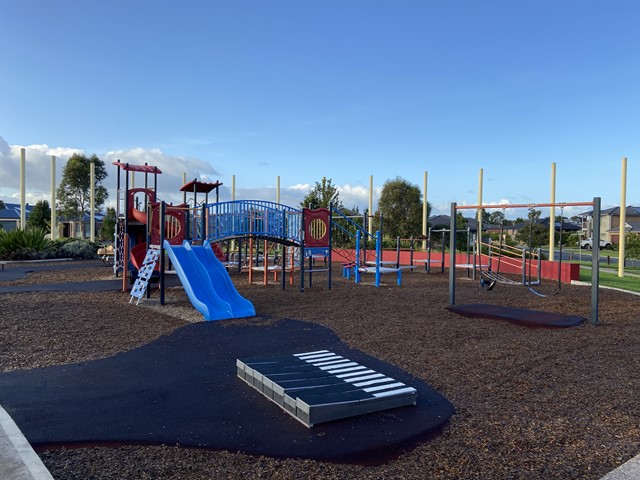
<point>12,211</point>
<point>631,211</point>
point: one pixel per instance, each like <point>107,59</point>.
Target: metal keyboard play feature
<point>320,386</point>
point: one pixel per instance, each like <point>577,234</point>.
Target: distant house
<point>10,215</point>
<point>10,220</point>
<point>610,223</point>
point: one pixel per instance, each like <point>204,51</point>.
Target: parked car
<point>588,244</point>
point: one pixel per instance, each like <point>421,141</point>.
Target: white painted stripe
<point>347,375</point>
<point>322,359</point>
<point>333,367</point>
<point>366,377</point>
<point>384,387</point>
<point>309,353</point>
<point>394,392</point>
<point>316,355</point>
<point>351,369</point>
<point>332,362</point>
<point>373,382</point>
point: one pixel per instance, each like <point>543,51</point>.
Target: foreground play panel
<point>320,386</point>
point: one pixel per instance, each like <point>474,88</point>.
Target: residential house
<point>610,223</point>
<point>10,215</point>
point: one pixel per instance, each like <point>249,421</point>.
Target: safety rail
<point>251,218</point>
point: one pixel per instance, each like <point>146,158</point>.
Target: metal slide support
<point>452,256</point>
<point>595,260</point>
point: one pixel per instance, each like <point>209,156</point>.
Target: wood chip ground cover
<point>530,403</point>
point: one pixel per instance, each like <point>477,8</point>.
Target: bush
<point>29,244</point>
<point>77,249</point>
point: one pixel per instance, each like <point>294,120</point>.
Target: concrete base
<point>18,461</point>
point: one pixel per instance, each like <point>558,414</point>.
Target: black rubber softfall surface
<point>182,389</point>
<point>521,316</point>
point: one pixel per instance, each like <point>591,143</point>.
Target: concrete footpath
<point>18,461</point>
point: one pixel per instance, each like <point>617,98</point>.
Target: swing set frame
<point>595,269</point>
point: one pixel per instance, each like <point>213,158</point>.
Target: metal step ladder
<point>144,274</point>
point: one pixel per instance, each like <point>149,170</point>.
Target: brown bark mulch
<point>530,403</point>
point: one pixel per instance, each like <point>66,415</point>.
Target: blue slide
<point>207,282</point>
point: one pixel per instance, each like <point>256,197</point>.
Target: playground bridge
<point>250,218</point>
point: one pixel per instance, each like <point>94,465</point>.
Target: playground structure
<point>596,249</point>
<point>190,234</point>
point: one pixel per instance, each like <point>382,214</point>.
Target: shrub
<point>29,244</point>
<point>77,249</point>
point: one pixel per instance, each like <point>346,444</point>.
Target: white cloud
<point>37,170</point>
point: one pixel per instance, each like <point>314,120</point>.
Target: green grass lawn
<point>612,280</point>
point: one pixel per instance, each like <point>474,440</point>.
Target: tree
<point>534,215</point>
<point>632,246</point>
<point>322,194</point>
<point>107,232</point>
<point>496,217</point>
<point>40,216</point>
<point>401,207</point>
<point>536,238</point>
<point>2,205</point>
<point>74,191</point>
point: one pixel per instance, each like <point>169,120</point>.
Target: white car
<point>588,244</point>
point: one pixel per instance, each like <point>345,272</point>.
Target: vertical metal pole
<point>623,218</point>
<point>595,261</point>
<point>302,237</point>
<point>330,226</point>
<point>370,231</point>
<point>452,256</point>
<point>23,191</point>
<point>163,209</point>
<point>54,230</point>
<point>552,215</point>
<point>480,211</point>
<point>92,202</point>
<point>425,219</point>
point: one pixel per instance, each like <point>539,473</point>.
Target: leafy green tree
<point>536,238</point>
<point>107,232</point>
<point>2,205</point>
<point>632,246</point>
<point>40,216</point>
<point>534,215</point>
<point>322,194</point>
<point>401,207</point>
<point>496,217</point>
<point>74,192</point>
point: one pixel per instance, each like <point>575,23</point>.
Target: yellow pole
<point>54,230</point>
<point>623,218</point>
<point>233,187</point>
<point>552,214</point>
<point>92,205</point>
<point>184,194</point>
<point>479,240</point>
<point>425,219</point>
<point>133,180</point>
<point>370,204</point>
<point>23,192</point>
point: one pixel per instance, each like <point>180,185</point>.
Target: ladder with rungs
<point>144,274</point>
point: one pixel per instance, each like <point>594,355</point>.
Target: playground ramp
<point>207,282</point>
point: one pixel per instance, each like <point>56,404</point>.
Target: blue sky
<point>343,89</point>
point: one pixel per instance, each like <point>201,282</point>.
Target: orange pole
<point>265,263</point>
<point>125,262</point>
<point>524,205</point>
<point>250,259</point>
